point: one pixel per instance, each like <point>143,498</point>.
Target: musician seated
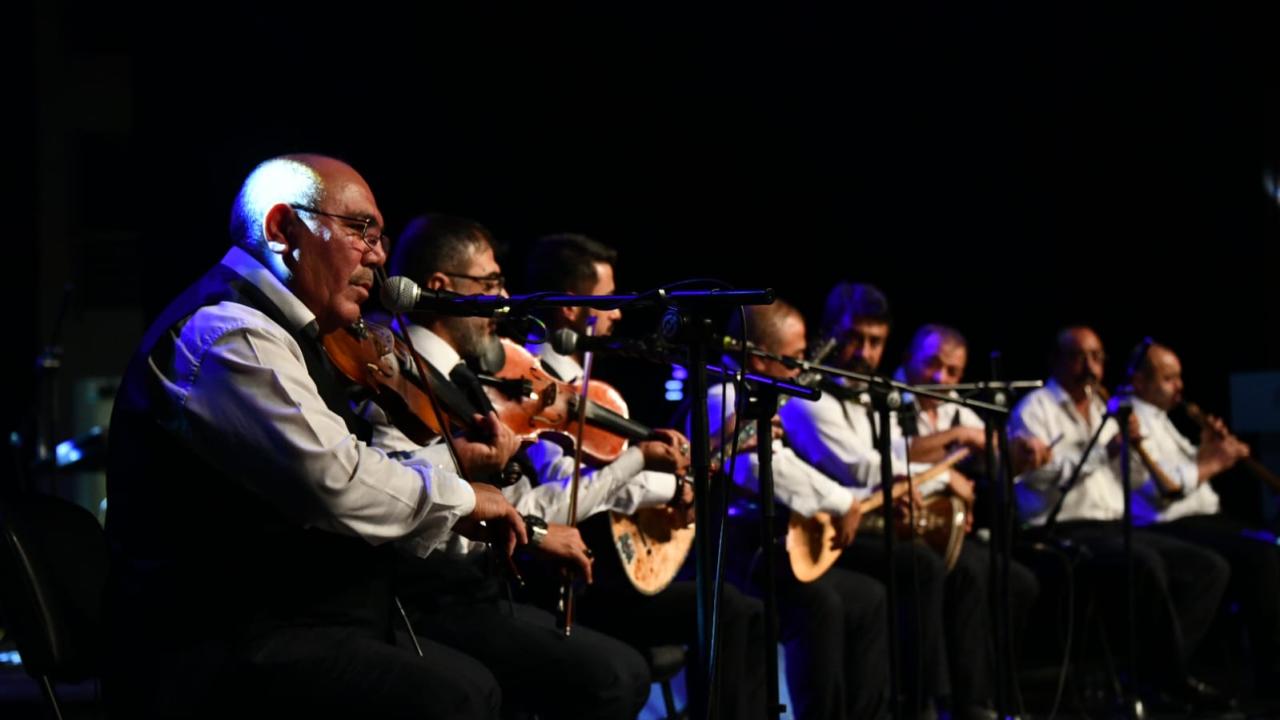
<point>1186,506</point>
<point>937,355</point>
<point>572,263</point>
<point>252,526</point>
<point>833,628</point>
<point>837,434</point>
<point>1178,585</point>
<point>459,597</point>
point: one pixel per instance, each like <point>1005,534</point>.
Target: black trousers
<point>967,613</point>
<point>585,675</point>
<point>317,672</point>
<point>834,634</point>
<point>833,630</point>
<point>670,618</point>
<point>1254,583</point>
<point>920,575</point>
<point>463,603</point>
<point>1177,585</point>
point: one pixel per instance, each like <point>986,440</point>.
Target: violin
<point>371,356</point>
<point>530,401</point>
<point>651,544</point>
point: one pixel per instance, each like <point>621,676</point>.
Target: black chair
<point>53,570</point>
<point>665,662</point>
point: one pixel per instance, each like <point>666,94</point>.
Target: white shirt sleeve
<point>621,486</point>
<point>252,409</point>
<point>1173,453</point>
<point>797,484</point>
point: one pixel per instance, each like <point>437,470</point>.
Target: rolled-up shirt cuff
<point>935,486</point>
<point>837,500</point>
<point>1188,473</point>
<point>658,488</point>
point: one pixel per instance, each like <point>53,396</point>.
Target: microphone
<point>400,294</point>
<point>568,342</point>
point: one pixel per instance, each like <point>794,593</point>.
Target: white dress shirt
<point>255,412</point>
<point>621,486</point>
<point>796,483</point>
<point>1176,455</point>
<point>836,436</point>
<point>1049,414</point>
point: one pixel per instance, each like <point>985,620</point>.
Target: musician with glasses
<point>252,526</point>
<point>836,434</point>
<point>460,596</point>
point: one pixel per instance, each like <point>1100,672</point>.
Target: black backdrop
<point>1002,167</point>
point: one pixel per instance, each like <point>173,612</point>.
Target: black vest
<point>199,562</point>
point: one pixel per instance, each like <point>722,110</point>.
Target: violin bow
<point>566,587</point>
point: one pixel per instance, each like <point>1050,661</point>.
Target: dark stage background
<point>1002,167</point>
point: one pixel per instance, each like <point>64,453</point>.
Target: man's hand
<point>1029,453</point>
<point>668,453</point>
<point>1213,428</point>
<point>1135,436</point>
<point>972,438</point>
<point>963,488</point>
<point>908,498</point>
<point>502,526</point>
<point>1219,454</point>
<point>847,526</point>
<point>489,449</point>
<point>682,503</point>
<point>565,544</point>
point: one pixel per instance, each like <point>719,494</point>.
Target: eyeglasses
<point>491,282</point>
<point>1097,356</point>
<point>358,224</point>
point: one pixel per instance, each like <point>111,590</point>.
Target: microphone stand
<point>1132,705</point>
<point>999,478</point>
<point>1120,410</point>
<point>688,324</point>
<point>886,397</point>
<point>685,322</point>
<point>762,398</point>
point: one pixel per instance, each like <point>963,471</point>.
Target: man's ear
<point>439,281</point>
<point>278,226</point>
<point>571,315</point>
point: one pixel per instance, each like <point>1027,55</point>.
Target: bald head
<point>767,324</point>
<point>777,328</point>
<point>1158,378</point>
<point>302,179</point>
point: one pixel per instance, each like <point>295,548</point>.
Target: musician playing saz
<point>830,674</point>
<point>937,355</point>
<point>836,434</point>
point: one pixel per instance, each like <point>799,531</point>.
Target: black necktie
<point>470,385</point>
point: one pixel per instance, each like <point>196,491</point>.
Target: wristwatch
<point>537,528</point>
